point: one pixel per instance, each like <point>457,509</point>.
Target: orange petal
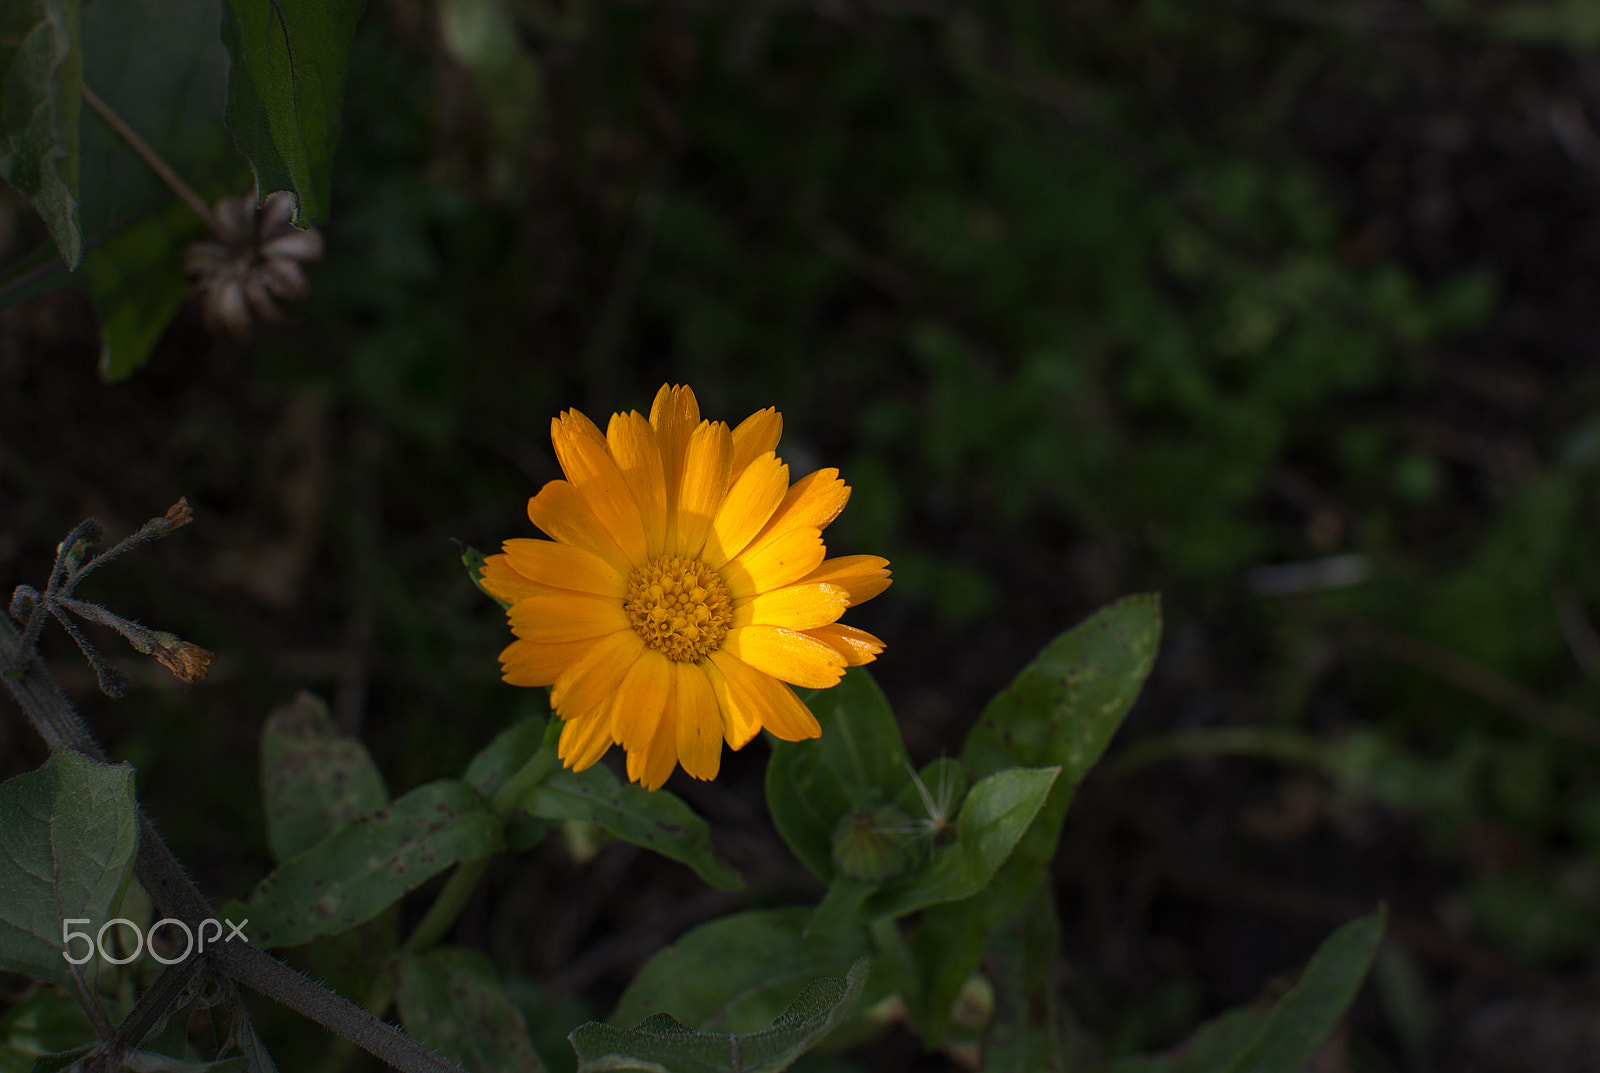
<point>814,500</point>
<point>786,655</point>
<point>526,663</point>
<point>705,474</point>
<point>699,722</point>
<point>862,576</point>
<point>638,453</point>
<point>774,703</point>
<point>551,564</point>
<point>640,698</point>
<point>773,562</point>
<point>856,646</point>
<point>588,684</point>
<point>585,740</point>
<point>740,721</point>
<point>755,436</point>
<point>566,616</point>
<point>585,459</point>
<point>650,766</point>
<point>750,502</point>
<point>563,514</point>
<point>798,607</point>
<point>506,582</point>
<point>675,415</point>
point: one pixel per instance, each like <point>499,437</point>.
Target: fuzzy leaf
<point>68,834</point>
<point>41,80</point>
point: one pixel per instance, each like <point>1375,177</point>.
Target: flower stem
<point>162,169</point>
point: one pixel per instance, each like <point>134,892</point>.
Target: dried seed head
<point>250,271</point>
<point>188,663</point>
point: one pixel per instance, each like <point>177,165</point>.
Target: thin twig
<point>162,169</point>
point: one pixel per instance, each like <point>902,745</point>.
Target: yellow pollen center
<point>679,606</point>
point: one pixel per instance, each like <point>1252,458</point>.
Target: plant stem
<point>162,169</point>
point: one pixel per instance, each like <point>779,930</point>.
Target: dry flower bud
<point>188,663</point>
<point>179,514</point>
<point>250,270</point>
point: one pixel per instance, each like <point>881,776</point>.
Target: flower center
<point>679,606</point>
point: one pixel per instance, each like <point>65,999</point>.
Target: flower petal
<point>786,655</point>
<point>798,607</point>
<point>585,459</point>
<point>638,454</point>
<point>585,740</point>
<point>862,576</point>
<point>749,503</point>
<point>675,415</point>
<point>566,616</point>
<point>527,663</point>
<point>587,685</point>
<point>856,646</point>
<point>651,765</point>
<point>705,475</point>
<point>755,436</point>
<point>640,699</point>
<point>506,582</point>
<point>774,703</point>
<point>740,721</point>
<point>814,500</point>
<point>773,562</point>
<point>699,722</point>
<point>563,514</point>
<point>550,564</point>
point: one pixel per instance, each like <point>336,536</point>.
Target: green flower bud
<point>872,845</point>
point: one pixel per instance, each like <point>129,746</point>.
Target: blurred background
<point>1286,309</point>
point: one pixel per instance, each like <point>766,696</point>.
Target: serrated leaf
<point>735,974</point>
<point>314,780</point>
<point>473,560</point>
<point>1062,709</point>
<point>247,1041</point>
<point>451,1000</point>
<point>68,834</point>
<point>286,92</point>
<point>996,814</point>
<point>41,80</point>
<point>661,1042</point>
<point>656,820</point>
<point>354,874</point>
<point>858,762</point>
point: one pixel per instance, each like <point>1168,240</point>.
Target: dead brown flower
<point>250,270</point>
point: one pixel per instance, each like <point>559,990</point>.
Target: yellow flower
<point>684,585</point>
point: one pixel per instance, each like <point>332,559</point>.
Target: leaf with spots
<point>68,833</point>
<point>655,820</point>
<point>358,871</point>
<point>451,999</point>
<point>314,780</point>
<point>1062,709</point>
<point>661,1042</point>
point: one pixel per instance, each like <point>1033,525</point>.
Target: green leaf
<point>286,90</point>
<point>655,820</point>
<point>662,1043</point>
<point>135,281</point>
<point>41,79</point>
<point>314,780</point>
<point>355,873</point>
<point>1304,1017</point>
<point>994,817</point>
<point>473,560</point>
<point>68,833</point>
<point>151,1062</point>
<point>506,754</point>
<point>734,974</point>
<point>1062,709</point>
<point>859,761</point>
<point>1025,1034</point>
<point>451,999</point>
